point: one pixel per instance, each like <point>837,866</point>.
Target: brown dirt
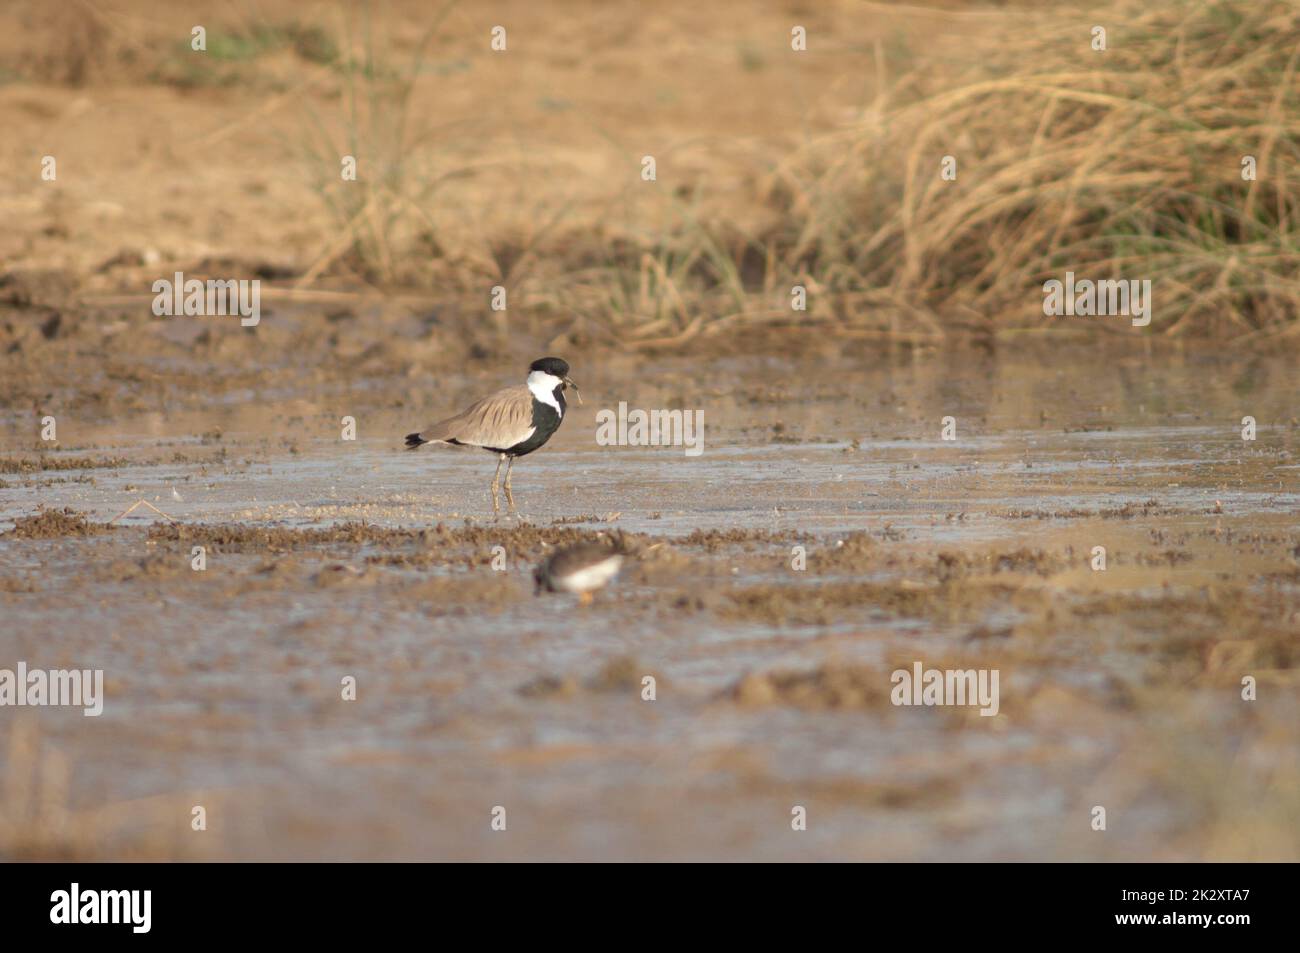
<point>830,686</point>
<point>45,463</point>
<point>54,523</point>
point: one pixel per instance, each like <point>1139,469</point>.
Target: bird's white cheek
<point>543,387</point>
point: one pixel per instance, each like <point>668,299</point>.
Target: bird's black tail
<point>414,440</point>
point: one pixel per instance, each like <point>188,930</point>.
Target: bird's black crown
<point>550,365</point>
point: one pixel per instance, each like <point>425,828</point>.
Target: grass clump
<point>1125,163</point>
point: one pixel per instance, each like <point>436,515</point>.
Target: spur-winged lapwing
<point>511,422</point>
<point>581,569</point>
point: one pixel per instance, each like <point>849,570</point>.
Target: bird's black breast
<point>546,420</point>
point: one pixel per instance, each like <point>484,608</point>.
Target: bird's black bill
<point>568,381</point>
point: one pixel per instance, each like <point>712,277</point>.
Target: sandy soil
<point>169,157</point>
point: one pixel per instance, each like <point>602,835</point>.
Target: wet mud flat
<point>826,538</point>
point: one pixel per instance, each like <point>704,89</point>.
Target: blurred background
<point>774,167</point>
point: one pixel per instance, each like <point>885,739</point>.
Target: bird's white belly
<point>592,577</point>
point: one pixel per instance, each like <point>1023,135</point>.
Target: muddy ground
<point>328,558</point>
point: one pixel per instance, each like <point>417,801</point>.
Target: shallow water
<point>1118,687</point>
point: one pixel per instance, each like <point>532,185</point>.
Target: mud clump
<point>1025,561</point>
<point>18,584</point>
<point>242,538</point>
<point>713,540</point>
<point>832,686</point>
<point>821,604</point>
<point>339,574</point>
<point>524,539</point>
<point>460,595</point>
<point>1168,557</point>
<point>983,633</point>
<point>662,564</point>
<point>440,545</point>
<point>549,686</point>
<point>862,552</point>
<point>155,566</point>
<point>474,546</point>
<point>623,674</point>
<point>1128,511</point>
<point>854,552</point>
<point>41,464</point>
<point>53,524</point>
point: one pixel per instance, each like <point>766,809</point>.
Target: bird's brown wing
<point>499,420</point>
<point>580,556</point>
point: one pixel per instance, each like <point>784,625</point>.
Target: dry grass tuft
<point>1125,163</point>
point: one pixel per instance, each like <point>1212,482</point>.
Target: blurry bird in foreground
<point>581,568</point>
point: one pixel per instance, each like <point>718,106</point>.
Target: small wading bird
<point>510,423</point>
<point>582,569</point>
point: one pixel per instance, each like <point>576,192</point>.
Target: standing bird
<point>511,422</point>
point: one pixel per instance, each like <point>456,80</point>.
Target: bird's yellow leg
<point>510,497</point>
<point>496,506</point>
